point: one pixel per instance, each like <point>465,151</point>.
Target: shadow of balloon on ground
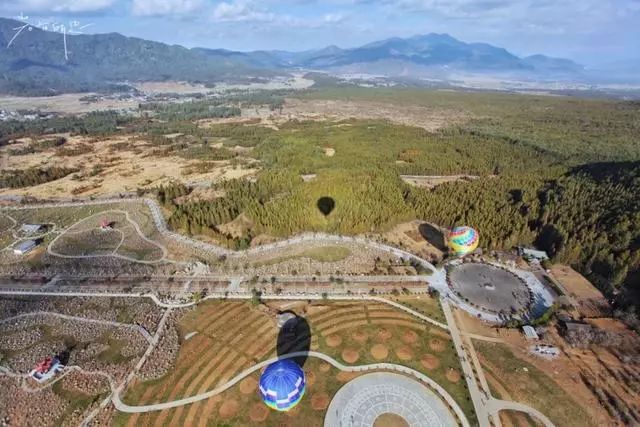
<point>326,205</point>
<point>432,235</point>
<point>294,335</point>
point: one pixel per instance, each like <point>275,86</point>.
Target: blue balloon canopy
<point>282,385</point>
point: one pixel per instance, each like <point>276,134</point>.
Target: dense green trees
<point>16,178</point>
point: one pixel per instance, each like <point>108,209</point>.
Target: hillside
<point>35,63</point>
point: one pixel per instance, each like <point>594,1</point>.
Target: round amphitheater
<point>383,399</point>
<point>489,287</point>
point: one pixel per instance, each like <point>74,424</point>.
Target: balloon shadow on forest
<point>432,235</point>
<point>294,336</point>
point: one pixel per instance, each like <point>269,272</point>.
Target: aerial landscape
<point>244,213</point>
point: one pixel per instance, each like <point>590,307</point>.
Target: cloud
<point>241,11</point>
<point>165,7</point>
<point>56,6</point>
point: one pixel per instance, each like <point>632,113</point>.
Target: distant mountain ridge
<point>34,64</point>
<point>429,53</point>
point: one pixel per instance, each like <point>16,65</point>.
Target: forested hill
<point>35,63</point>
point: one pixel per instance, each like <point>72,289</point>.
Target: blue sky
<point>589,31</point>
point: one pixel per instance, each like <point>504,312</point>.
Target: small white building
<point>25,247</point>
<point>532,254</point>
<point>31,228</point>
<point>530,332</point>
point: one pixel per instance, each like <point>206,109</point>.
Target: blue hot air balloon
<point>282,385</point>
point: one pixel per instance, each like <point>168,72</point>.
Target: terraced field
<point>233,336</point>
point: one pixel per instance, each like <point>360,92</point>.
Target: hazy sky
<point>589,31</point>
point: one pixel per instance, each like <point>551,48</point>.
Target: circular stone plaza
<point>490,288</point>
<point>384,399</point>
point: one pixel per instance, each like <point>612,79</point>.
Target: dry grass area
<point>419,237</point>
<point>68,103</point>
<point>429,118</point>
<point>590,301</point>
<point>429,182</point>
<point>111,166</point>
<point>512,376</point>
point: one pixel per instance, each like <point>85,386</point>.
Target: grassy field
<point>320,254</point>
<point>233,336</point>
<point>527,384</point>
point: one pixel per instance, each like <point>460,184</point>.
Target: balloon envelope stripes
<point>282,385</point>
<point>463,240</point>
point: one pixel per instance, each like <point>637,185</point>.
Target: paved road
<point>486,406</point>
<point>137,328</point>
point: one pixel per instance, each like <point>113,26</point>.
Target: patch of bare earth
<point>436,345</point>
<point>384,334</point>
<point>429,361</point>
<point>334,340</point>
<point>410,337</point>
<point>350,355</point>
<point>360,336</point>
<point>112,165</point>
<point>228,409</point>
<point>404,353</point>
<point>429,118</point>
<point>258,412</point>
<point>379,351</point>
<point>390,420</point>
<point>320,401</point>
<point>248,385</point>
<point>453,375</point>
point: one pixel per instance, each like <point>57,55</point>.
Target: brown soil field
<point>390,420</point>
<point>577,285</point>
<point>350,355</point>
<point>320,401</point>
<point>228,409</point>
<point>348,325</point>
<point>409,236</point>
<point>325,367</point>
<point>248,385</point>
<point>360,336</point>
<point>125,163</point>
<point>379,351</point>
<point>436,345</point>
<point>410,337</point>
<point>333,340</point>
<point>258,412</point>
<point>384,334</point>
<point>404,353</point>
<point>453,375</point>
<point>429,361</point>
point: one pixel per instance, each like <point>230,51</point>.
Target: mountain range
<point>35,62</point>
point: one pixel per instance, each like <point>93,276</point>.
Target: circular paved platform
<point>489,287</point>
<point>361,401</point>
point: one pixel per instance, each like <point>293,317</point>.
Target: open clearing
<point>527,384</point>
<point>114,165</point>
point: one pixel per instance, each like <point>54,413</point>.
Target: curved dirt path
<point>114,253</point>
